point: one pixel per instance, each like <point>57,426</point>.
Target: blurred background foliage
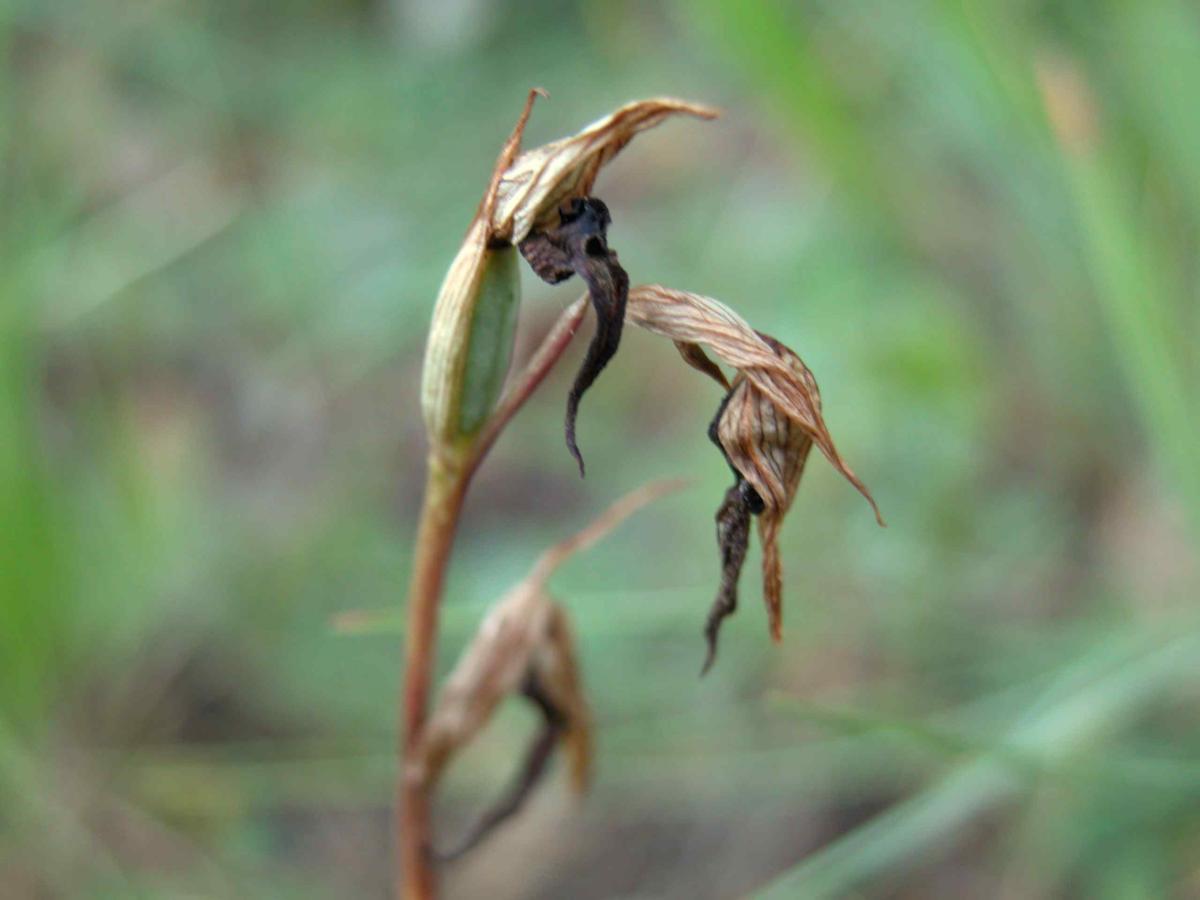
<point>223,227</point>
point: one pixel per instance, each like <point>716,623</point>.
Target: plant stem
<point>444,490</point>
<point>449,474</point>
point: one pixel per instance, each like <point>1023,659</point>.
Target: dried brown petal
<point>694,356</point>
<point>556,671</point>
<point>769,450</point>
<point>773,369</point>
<point>523,646</point>
<point>765,427</point>
<point>540,180</point>
<point>493,666</point>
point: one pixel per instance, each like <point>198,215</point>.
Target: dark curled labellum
<point>578,245</point>
<point>533,767</point>
<point>733,539</point>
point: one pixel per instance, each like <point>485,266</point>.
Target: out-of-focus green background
<point>223,225</point>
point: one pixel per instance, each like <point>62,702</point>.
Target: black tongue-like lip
<point>578,245</point>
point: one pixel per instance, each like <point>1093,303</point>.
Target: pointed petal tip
<point>676,104</point>
<point>875,509</point>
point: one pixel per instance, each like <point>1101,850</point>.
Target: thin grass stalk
<point>1093,696</point>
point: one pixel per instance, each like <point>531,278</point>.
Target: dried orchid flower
<point>523,647</point>
<point>538,200</point>
<point>767,423</point>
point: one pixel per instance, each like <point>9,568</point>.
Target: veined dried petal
<point>773,369</point>
<point>769,451</point>
<point>765,427</point>
<point>539,180</point>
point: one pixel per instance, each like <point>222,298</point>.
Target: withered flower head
<point>767,423</point>
<point>523,646</point>
<point>540,200</point>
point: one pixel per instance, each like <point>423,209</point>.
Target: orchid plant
<point>539,205</point>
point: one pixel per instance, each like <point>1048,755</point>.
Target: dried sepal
<point>492,667</point>
<point>523,647</point>
<point>773,369</point>
<point>768,450</point>
<point>539,181</point>
<point>765,427</point>
<point>551,683</point>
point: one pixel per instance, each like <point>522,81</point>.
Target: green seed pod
<point>490,338</point>
<point>470,341</point>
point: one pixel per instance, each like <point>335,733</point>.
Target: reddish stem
<point>448,477</point>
